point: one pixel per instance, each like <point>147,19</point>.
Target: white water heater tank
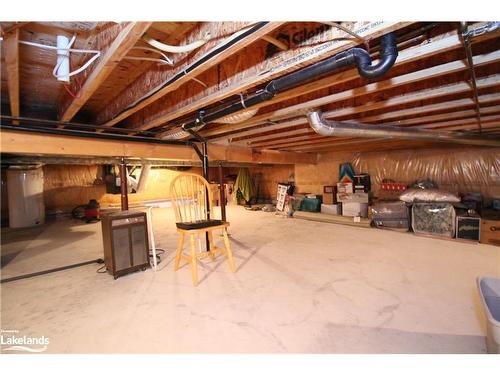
<point>25,192</point>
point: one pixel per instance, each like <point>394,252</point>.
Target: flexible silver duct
<point>352,129</point>
<point>178,133</point>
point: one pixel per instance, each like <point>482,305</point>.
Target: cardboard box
<point>490,232</point>
<point>331,209</point>
<point>355,209</point>
<point>354,197</point>
<point>346,187</point>
<point>329,193</point>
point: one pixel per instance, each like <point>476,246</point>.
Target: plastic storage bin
<point>436,219</point>
<point>489,290</point>
<point>391,215</point>
<point>311,204</point>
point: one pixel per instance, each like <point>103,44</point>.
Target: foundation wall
<point>456,170</point>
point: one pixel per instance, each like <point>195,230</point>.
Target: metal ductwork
<point>352,129</point>
<point>353,56</point>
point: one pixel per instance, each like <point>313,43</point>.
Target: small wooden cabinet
<point>125,240</point>
<point>490,232</point>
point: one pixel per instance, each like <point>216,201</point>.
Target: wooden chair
<point>190,193</point>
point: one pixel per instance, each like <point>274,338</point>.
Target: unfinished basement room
<point>250,187</point>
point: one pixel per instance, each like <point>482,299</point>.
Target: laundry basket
<point>489,289</point>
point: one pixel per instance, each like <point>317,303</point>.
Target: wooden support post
<point>123,186</point>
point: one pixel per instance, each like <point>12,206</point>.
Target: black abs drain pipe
<point>353,56</point>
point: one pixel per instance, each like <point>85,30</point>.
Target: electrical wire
<point>228,42</point>
<point>158,252</point>
<point>158,260</point>
<point>165,61</point>
<point>68,48</point>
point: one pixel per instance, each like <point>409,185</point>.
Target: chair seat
<point>200,224</point>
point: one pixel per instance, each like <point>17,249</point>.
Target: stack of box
<point>354,201</point>
<point>330,205</point>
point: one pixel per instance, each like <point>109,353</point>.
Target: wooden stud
<point>282,46</point>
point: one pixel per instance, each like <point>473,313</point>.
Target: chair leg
<point>211,244</point>
<point>194,265</point>
<point>178,252</point>
<point>229,254</point>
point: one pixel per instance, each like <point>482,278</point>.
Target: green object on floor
<point>311,204</point>
<point>244,185</point>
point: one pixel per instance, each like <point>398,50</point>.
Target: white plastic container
<point>354,209</point>
<point>489,290</point>
<point>331,209</point>
<point>25,191</point>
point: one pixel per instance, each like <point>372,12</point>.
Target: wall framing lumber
<point>45,144</point>
<point>125,40</point>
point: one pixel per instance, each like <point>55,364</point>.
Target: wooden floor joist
<point>283,66</point>
<point>410,55</point>
<point>125,40</point>
<point>143,85</point>
<point>317,142</point>
<point>372,88</point>
<point>413,98</point>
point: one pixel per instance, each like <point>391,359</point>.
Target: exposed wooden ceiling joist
<point>122,44</point>
<point>146,82</point>
<point>290,60</point>
<point>405,79</point>
<point>314,141</point>
<point>413,98</point>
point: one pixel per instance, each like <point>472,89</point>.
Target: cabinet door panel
<point>121,247</point>
<point>139,243</point>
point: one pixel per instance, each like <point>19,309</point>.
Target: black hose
<point>9,279</point>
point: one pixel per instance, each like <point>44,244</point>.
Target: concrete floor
<point>300,287</point>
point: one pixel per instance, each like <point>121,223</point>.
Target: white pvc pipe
<point>66,49</point>
<point>149,219</point>
<point>62,70</point>
<point>143,178</point>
